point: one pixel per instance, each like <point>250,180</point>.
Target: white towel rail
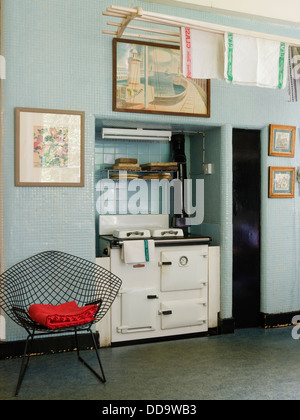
<point>129,15</point>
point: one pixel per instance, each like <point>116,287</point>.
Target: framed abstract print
<point>49,148</point>
<point>281,182</point>
<point>282,140</point>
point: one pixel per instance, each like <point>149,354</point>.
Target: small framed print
<point>49,148</point>
<point>281,182</point>
<point>282,140</point>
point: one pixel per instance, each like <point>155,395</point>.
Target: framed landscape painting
<point>49,148</point>
<point>147,78</point>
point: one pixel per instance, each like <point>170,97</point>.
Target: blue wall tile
<point>58,58</point>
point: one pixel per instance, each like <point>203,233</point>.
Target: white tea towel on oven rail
<point>138,251</point>
<point>294,74</point>
<point>254,61</point>
<point>202,54</point>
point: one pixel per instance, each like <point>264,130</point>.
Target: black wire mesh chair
<point>53,278</point>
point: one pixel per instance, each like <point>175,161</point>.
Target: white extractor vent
<point>136,134</point>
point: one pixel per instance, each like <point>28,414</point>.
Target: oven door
<point>183,313</point>
<point>184,269</point>
<point>139,309</point>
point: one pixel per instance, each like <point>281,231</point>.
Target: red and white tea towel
<point>202,54</point>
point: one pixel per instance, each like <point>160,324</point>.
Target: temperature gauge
<point>183,261</point>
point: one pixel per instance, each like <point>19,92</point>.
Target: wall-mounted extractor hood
<point>136,134</point>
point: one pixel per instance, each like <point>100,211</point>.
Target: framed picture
<point>49,148</point>
<point>282,140</point>
<point>281,182</point>
<point>147,79</point>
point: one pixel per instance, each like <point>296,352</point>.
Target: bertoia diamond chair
<point>56,293</point>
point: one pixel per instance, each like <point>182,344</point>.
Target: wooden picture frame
<point>49,148</point>
<point>282,140</point>
<point>147,79</point>
<point>281,182</point>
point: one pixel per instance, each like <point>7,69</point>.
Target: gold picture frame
<point>281,182</point>
<point>49,148</point>
<point>282,140</point>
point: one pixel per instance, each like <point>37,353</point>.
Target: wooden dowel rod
<point>139,28</point>
<point>178,22</point>
<point>153,37</point>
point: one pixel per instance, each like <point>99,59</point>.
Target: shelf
<point>139,174</point>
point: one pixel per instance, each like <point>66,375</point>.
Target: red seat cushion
<point>61,316</point>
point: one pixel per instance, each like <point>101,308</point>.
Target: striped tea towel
<point>294,74</point>
<point>202,54</point>
<point>254,61</point>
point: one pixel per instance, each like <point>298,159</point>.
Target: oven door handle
<point>152,297</point>
<point>165,312</point>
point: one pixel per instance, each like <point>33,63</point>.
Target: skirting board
<point>282,319</point>
<point>47,345</point>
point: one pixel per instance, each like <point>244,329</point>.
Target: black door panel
<point>246,228</point>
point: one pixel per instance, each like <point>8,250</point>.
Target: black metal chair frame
<point>52,278</point>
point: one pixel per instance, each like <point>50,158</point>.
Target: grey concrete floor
<point>251,364</point>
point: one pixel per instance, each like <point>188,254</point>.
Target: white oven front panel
<point>180,287</point>
<point>184,269</point>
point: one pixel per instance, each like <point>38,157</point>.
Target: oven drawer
<point>184,269</point>
<point>183,313</point>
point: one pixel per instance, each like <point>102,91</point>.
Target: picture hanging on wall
<point>281,182</point>
<point>49,148</point>
<point>282,140</point>
<point>147,79</point>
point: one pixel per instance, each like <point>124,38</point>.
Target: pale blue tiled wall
<point>280,238</point>
<point>58,58</point>
<point>215,147</point>
<point>106,152</point>
<point>207,148</point>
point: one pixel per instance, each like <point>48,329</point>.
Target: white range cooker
<point>170,283</point>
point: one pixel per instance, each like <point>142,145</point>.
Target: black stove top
<point>191,239</point>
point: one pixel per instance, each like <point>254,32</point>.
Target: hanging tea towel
<point>255,61</point>
<point>202,54</point>
<point>136,251</point>
<point>294,74</point>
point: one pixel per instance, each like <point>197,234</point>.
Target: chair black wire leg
<point>25,361</point>
<point>77,345</point>
<point>102,378</point>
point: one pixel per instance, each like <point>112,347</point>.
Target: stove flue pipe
<point>178,152</point>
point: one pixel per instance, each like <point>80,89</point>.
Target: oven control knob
<point>183,261</point>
